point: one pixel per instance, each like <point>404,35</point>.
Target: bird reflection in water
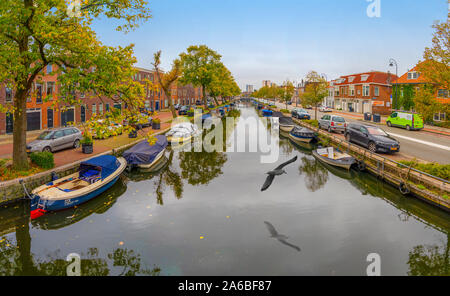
<point>280,237</point>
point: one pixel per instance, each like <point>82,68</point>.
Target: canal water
<point>204,214</point>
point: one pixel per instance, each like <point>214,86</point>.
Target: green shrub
<point>43,159</point>
<point>312,122</point>
<point>87,139</point>
<point>445,124</point>
<point>438,170</point>
<point>234,113</point>
<point>285,111</point>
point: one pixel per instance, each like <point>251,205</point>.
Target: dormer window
<point>364,77</point>
<point>350,79</point>
<point>413,75</point>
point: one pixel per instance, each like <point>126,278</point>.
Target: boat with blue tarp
<point>302,134</point>
<point>93,177</point>
<point>146,156</point>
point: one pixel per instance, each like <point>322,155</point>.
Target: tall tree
<point>223,84</point>
<point>37,33</point>
<point>199,64</point>
<point>315,91</point>
<point>167,80</point>
<point>287,92</point>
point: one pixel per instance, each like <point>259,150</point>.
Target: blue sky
<point>285,39</point>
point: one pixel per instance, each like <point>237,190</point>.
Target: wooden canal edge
<point>426,187</point>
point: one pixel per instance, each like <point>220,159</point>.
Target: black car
<point>198,102</point>
<point>183,110</point>
<point>372,137</point>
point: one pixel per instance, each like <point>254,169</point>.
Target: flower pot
<point>156,125</point>
<point>87,148</point>
<point>190,114</point>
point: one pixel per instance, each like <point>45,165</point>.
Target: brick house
<point>414,78</point>
<point>43,113</point>
<point>364,92</point>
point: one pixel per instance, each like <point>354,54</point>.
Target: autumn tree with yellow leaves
<point>37,33</point>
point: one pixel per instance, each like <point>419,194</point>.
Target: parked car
<point>289,103</point>
<point>177,106</point>
<point>183,110</point>
<point>325,109</point>
<point>333,123</point>
<point>300,114</point>
<point>372,137</point>
<point>56,139</point>
<point>408,120</point>
<point>198,102</point>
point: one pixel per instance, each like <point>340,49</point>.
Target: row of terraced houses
<point>372,92</point>
<point>43,113</point>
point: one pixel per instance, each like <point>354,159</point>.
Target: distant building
<point>267,83</point>
<point>364,92</point>
<point>249,88</point>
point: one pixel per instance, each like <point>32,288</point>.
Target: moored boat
<point>286,124</point>
<point>93,178</point>
<point>182,133</point>
<point>144,155</point>
<point>302,134</point>
<point>267,112</point>
<point>334,157</point>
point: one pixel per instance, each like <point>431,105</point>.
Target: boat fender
<point>404,189</point>
<point>361,165</point>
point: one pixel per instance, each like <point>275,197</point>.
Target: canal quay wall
<point>11,191</point>
<point>426,187</point>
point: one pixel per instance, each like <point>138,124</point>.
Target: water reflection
<point>316,175</point>
<point>280,237</point>
<point>430,260</point>
<point>16,258</point>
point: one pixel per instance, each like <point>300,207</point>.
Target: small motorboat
<point>302,134</point>
<point>286,124</point>
<point>146,156</point>
<point>93,178</point>
<point>334,157</point>
<point>182,132</point>
<point>267,113</point>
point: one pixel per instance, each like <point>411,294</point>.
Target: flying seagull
<point>280,237</point>
<point>276,172</point>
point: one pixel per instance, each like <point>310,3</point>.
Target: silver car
<point>333,123</point>
<point>56,139</point>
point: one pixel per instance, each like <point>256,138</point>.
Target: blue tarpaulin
<point>143,153</point>
<point>107,164</point>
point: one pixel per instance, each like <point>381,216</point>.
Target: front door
<point>50,118</point>
<point>67,117</point>
<point>83,113</point>
<point>33,120</point>
<point>157,105</point>
<point>9,123</point>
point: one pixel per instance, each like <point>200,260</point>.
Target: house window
<point>364,77</point>
<point>100,108</point>
<point>443,93</point>
<point>413,75</point>
<point>366,90</point>
<point>8,94</point>
<point>38,93</point>
<point>50,89</point>
<point>107,107</point>
<point>352,90</point>
<point>439,116</point>
<point>49,69</point>
<point>377,91</point>
<point>94,109</point>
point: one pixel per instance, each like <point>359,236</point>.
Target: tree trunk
<point>315,114</point>
<point>20,158</point>
<point>204,97</point>
<point>216,101</point>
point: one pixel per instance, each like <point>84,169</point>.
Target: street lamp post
<point>393,63</point>
<point>326,78</point>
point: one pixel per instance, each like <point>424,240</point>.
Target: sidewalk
<point>70,155</point>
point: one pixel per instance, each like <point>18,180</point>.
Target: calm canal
<point>204,214</point>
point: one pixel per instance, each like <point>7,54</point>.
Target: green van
<point>408,120</point>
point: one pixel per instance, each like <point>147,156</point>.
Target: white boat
<point>182,132</point>
<point>286,124</point>
<point>335,158</point>
<point>301,134</point>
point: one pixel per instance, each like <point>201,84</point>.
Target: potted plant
<point>87,144</point>
<point>156,124</point>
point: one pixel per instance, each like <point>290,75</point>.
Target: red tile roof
<point>372,77</point>
<point>404,78</point>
